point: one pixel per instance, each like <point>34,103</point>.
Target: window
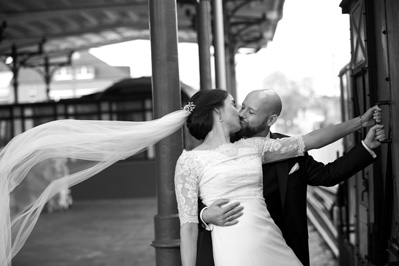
<point>84,72</point>
<point>63,73</point>
<point>71,73</point>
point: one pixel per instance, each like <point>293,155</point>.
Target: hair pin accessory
<point>189,107</point>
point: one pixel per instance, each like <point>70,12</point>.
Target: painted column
<point>166,98</point>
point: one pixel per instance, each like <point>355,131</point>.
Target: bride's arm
<point>188,245</point>
<point>324,136</point>
<point>280,149</point>
<point>186,189</point>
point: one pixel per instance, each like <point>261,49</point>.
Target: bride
<point>218,169</point>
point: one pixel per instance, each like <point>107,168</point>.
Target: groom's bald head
<point>259,112</point>
<point>267,101</point>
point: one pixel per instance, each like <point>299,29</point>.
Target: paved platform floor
<point>110,233</point>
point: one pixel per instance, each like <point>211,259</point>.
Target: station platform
<point>111,233</point>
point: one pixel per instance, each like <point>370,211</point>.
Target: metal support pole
<point>47,76</point>
<point>230,52</point>
<point>220,62</point>
<point>231,71</point>
<point>204,33</point>
<point>18,60</point>
<point>15,70</point>
<point>166,98</point>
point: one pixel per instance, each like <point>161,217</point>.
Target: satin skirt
<point>255,241</point>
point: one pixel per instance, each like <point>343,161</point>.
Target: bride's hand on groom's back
<point>221,213</point>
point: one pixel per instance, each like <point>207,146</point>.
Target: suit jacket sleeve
<point>341,169</point>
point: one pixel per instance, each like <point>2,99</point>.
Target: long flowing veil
<point>97,143</point>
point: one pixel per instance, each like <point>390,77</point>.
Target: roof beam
<point>125,37</point>
<point>87,30</point>
<point>78,32</point>
<point>23,17</point>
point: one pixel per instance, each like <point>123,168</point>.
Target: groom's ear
<point>271,120</point>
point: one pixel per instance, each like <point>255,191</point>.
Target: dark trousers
<point>204,249</point>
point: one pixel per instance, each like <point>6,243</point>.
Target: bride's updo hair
<point>200,121</point>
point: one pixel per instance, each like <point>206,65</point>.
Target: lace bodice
<point>232,171</point>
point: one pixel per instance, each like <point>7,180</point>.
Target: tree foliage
<point>299,98</point>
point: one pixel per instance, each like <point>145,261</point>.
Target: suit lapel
<point>282,176</point>
<point>282,179</point>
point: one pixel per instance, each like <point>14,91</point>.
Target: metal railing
<point>322,213</point>
<point>17,118</point>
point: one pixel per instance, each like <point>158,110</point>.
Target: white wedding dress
<point>234,171</point>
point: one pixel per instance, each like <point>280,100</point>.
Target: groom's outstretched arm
<point>349,164</point>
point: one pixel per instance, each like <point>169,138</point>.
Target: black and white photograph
<point>199,133</point>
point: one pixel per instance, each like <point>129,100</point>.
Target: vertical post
<point>230,50</point>
<point>220,62</point>
<point>204,33</point>
<point>15,70</point>
<point>166,98</point>
<point>47,76</point>
<point>231,71</point>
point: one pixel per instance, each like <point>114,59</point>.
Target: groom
<point>285,182</point>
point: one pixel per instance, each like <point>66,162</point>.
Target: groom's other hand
<point>375,135</point>
<point>222,214</point>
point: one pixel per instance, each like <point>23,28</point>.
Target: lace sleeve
<point>186,188</point>
<point>284,148</point>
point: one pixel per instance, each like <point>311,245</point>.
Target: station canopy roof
<point>60,27</point>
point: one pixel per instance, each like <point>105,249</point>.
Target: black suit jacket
<point>285,196</point>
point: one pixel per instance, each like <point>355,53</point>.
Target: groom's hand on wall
<point>221,213</point>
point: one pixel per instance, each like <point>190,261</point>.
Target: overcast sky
<point>312,40</point>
